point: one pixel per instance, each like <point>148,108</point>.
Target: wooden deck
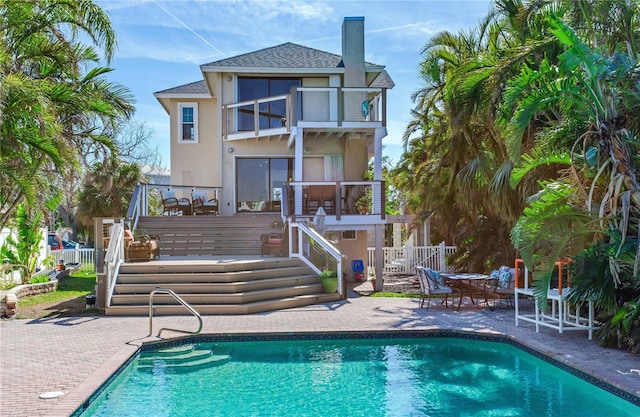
<point>214,264</point>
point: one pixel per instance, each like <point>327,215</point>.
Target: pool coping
<point>84,395</point>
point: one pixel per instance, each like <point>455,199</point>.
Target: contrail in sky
<point>191,30</point>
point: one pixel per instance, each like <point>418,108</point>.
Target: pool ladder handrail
<point>186,305</point>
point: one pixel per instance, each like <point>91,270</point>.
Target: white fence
<point>84,257</point>
<point>403,260</point>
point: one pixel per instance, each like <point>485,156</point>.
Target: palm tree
<point>461,147</point>
<point>107,190</point>
<point>50,107</point>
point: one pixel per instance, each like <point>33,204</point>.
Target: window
<point>349,235</point>
<point>188,123</point>
<point>273,113</point>
<point>260,182</point>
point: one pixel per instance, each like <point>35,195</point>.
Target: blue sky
<point>162,43</point>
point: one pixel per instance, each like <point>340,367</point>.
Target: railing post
<point>442,260</point>
<point>340,106</point>
<point>256,117</point>
<point>225,110</point>
<point>384,107</point>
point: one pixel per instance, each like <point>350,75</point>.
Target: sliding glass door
<point>260,182</point>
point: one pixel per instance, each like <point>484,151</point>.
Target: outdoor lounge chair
<point>202,205</point>
<point>431,286</point>
<point>172,206</point>
<point>145,248</point>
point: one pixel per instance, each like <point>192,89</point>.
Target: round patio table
<point>466,283</point>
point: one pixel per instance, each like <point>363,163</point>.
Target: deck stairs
<point>216,278</point>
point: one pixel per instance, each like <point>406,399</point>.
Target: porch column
<point>378,256</point>
<point>297,169</point>
<point>378,206</point>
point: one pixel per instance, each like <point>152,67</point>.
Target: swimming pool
<point>343,375</point>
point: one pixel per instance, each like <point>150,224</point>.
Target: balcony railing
<point>337,198</point>
<point>328,107</point>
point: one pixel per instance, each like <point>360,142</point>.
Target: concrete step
<point>235,309</point>
<point>213,298</point>
<point>167,265</point>
<point>181,288</point>
<point>220,277</point>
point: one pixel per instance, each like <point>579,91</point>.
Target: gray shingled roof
<point>197,87</point>
<point>383,80</point>
<point>286,55</point>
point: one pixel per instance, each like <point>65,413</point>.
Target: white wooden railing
<point>308,240</point>
<point>305,107</point>
<point>403,260</point>
<point>113,258</point>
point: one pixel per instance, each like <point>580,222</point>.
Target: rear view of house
<point>287,130</point>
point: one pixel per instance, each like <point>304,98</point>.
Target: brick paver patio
<point>75,354</point>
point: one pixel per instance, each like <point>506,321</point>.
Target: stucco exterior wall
<point>194,163</point>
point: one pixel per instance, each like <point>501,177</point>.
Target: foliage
<point>525,136</point>
<point>328,273</point>
<point>387,294</point>
<point>22,254</point>
<point>622,329</point>
<point>107,190</point>
<point>55,100</point>
<point>36,279</point>
<point>583,85</point>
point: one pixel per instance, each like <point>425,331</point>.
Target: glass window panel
<point>249,89</point>
<point>187,114</point>
<point>187,131</point>
<point>260,182</point>
<point>271,113</point>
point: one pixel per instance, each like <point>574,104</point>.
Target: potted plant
<point>329,281</point>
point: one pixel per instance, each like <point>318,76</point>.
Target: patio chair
<point>274,242</point>
<point>431,286</point>
<point>172,206</point>
<point>321,196</point>
<point>202,205</point>
<point>500,286</point>
<point>146,248</point>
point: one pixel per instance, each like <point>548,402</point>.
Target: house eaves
<point>194,90</point>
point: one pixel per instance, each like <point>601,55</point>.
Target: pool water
<point>352,377</point>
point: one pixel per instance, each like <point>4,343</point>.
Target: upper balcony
<point>332,108</point>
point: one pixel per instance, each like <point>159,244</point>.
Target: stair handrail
<point>137,205</point>
<point>114,258</point>
<point>304,230</point>
<point>186,305</point>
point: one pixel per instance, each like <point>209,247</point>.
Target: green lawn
<point>394,294</point>
<point>76,285</point>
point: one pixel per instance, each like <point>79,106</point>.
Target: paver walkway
<point>73,354</point>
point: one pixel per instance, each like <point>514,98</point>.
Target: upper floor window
<point>272,114</point>
<point>188,123</point>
